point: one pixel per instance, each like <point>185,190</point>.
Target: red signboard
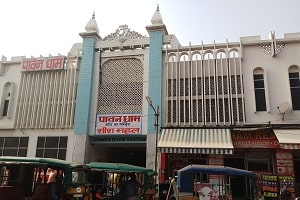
<point>37,64</point>
<point>284,163</point>
<point>254,139</point>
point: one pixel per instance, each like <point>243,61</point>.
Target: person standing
<point>130,188</point>
<point>52,184</point>
<point>59,182</point>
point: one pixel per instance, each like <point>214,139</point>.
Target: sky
<point>42,27</point>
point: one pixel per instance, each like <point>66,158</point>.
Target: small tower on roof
<point>85,84</point>
<point>157,22</point>
<point>156,18</point>
<point>91,28</point>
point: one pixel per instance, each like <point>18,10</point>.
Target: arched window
<point>221,55</point>
<point>184,57</point>
<point>208,56</point>
<point>295,86</point>
<point>172,58</point>
<point>233,54</point>
<point>196,56</point>
<point>6,96</point>
<point>259,89</point>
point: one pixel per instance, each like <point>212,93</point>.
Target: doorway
<point>238,183</point>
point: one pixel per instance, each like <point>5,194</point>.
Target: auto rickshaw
<point>111,177</point>
<point>24,177</point>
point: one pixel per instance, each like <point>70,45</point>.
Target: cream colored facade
<point>40,104</point>
<point>276,69</point>
<point>205,85</point>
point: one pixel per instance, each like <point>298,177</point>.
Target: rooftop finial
<point>156,19</point>
<point>92,25</point>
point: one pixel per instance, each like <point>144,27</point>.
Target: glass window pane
<point>294,82</point>
<point>62,154</point>
<point>259,84</point>
<point>11,142</point>
<point>294,75</point>
<point>1,141</point>
<point>41,142</point>
<point>260,100</point>
<point>258,76</point>
<point>22,152</point>
<point>50,153</point>
<point>10,152</point>
<point>295,98</point>
<point>39,153</point>
<point>63,142</point>
<point>5,107</point>
<point>52,142</point>
<point>24,141</point>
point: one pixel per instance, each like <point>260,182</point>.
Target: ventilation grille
<point>121,86</point>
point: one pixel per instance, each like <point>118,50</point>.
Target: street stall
<point>212,182</point>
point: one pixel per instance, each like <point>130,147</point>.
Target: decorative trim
<point>4,66</point>
<point>267,48</point>
<point>3,69</point>
<point>123,33</point>
<point>138,57</point>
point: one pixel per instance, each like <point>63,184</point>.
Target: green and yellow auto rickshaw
<point>111,176</point>
<point>28,178</point>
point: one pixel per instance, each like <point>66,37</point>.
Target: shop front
<point>181,147</point>
<point>270,154</point>
<point>119,138</point>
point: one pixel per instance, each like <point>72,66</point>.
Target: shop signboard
<point>254,139</point>
<point>118,124</point>
<point>40,64</point>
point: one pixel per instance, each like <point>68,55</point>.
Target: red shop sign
<point>254,139</point>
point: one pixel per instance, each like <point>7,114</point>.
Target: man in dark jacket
<point>130,188</point>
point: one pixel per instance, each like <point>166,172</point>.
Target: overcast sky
<point>41,27</point>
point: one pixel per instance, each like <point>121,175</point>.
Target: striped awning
<point>202,141</point>
<point>288,138</point>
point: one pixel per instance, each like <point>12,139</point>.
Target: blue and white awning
<point>201,141</point>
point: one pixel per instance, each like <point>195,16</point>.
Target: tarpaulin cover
<point>185,175</point>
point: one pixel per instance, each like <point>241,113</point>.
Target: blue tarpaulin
<point>185,175</point>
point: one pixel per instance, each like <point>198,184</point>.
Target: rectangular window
<point>260,97</point>
<point>52,147</point>
<point>13,146</point>
<point>295,90</point>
